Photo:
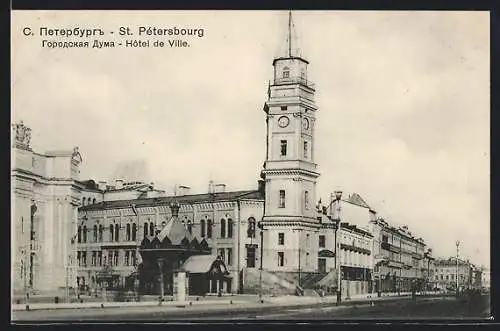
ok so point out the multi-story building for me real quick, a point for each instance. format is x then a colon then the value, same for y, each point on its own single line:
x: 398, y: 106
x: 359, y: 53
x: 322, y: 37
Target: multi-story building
x: 399, y: 263
x: 344, y: 247
x: 485, y: 278
x: 446, y: 271
x: 110, y: 232
x: 45, y: 198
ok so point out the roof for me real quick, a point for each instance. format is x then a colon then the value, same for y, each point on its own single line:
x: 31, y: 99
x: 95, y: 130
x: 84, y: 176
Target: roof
x: 200, y: 264
x: 175, y: 230
x: 356, y: 199
x: 185, y: 199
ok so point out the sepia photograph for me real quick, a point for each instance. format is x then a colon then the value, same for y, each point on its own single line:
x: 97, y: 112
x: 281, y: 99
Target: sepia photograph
x: 290, y: 165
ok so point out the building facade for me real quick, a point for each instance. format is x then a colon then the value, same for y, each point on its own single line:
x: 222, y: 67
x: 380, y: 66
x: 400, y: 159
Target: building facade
x: 446, y: 272
x: 112, y: 231
x: 399, y: 261
x: 45, y: 197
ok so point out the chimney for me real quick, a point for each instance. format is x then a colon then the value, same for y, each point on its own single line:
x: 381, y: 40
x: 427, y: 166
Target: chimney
x: 102, y: 185
x: 220, y: 188
x: 261, y: 186
x: 118, y: 184
x: 211, y: 187
x: 183, y: 190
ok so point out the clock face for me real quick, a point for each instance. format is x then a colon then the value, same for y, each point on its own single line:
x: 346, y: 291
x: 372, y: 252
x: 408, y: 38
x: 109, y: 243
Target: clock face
x: 283, y: 121
x: 305, y: 123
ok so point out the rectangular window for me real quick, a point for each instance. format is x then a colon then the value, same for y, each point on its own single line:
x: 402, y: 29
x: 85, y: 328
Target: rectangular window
x: 281, y: 259
x: 222, y: 254
x: 283, y: 147
x: 282, y: 199
x: 229, y: 256
x: 115, y: 258
x: 305, y: 150
x: 385, y: 238
x: 321, y: 241
x: 99, y: 258
x: 281, y: 238
x: 284, y: 107
x: 306, y: 200
x: 94, y: 258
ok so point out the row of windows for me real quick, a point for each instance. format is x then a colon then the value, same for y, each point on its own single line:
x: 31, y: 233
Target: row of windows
x: 112, y: 258
x: 88, y: 201
x: 284, y: 148
x: 206, y: 227
x: 449, y: 277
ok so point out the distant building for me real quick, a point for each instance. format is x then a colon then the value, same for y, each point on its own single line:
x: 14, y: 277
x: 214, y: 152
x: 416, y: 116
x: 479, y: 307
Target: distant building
x: 485, y: 278
x: 446, y: 271
x: 399, y: 258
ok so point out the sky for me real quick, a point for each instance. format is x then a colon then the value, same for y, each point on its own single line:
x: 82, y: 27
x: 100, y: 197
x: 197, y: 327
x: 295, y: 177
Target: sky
x: 403, y: 103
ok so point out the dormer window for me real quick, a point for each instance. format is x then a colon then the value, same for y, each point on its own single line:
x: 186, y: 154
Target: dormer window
x: 286, y: 72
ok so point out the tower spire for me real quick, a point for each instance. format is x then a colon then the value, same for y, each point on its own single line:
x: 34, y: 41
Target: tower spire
x: 289, y: 33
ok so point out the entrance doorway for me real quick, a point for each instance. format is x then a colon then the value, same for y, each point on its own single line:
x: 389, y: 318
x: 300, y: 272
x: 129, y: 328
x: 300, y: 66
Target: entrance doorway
x: 322, y: 265
x: 251, y: 257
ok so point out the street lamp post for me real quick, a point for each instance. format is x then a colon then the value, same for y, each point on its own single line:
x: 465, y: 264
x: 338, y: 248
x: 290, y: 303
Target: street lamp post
x: 160, y: 266
x: 338, y: 196
x: 457, y: 243
x: 261, y: 227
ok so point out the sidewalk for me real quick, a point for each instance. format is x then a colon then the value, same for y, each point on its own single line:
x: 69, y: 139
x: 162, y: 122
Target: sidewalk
x: 236, y: 300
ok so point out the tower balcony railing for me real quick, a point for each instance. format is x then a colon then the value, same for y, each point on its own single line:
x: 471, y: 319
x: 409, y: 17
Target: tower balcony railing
x: 295, y: 80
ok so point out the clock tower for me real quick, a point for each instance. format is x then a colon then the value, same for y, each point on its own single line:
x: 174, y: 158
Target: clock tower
x: 289, y: 223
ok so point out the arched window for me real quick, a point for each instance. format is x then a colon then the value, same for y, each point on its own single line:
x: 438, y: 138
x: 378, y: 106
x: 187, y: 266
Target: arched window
x: 134, y: 232
x: 111, y: 232
x: 151, y: 229
x: 83, y: 201
x: 223, y: 228
x: 251, y: 228
x: 128, y: 232
x: 202, y: 228
x: 229, y: 228
x: 286, y: 72
x: 145, y: 229
x: 190, y: 226
x: 79, y: 234
x: 84, y: 234
x: 95, y: 233
x: 101, y: 230
x: 117, y: 232
x: 93, y: 201
x: 209, y: 228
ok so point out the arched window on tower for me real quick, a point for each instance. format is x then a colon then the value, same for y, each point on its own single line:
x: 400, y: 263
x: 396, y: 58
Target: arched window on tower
x: 93, y: 201
x: 127, y: 235
x: 134, y: 232
x: 95, y: 233
x: 202, y: 228
x: 223, y: 228
x: 83, y: 201
x: 117, y: 232
x: 286, y: 72
x: 209, y: 228
x: 151, y: 229
x: 251, y: 228
x: 111, y: 232
x: 79, y: 234
x: 229, y: 228
x: 101, y: 230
